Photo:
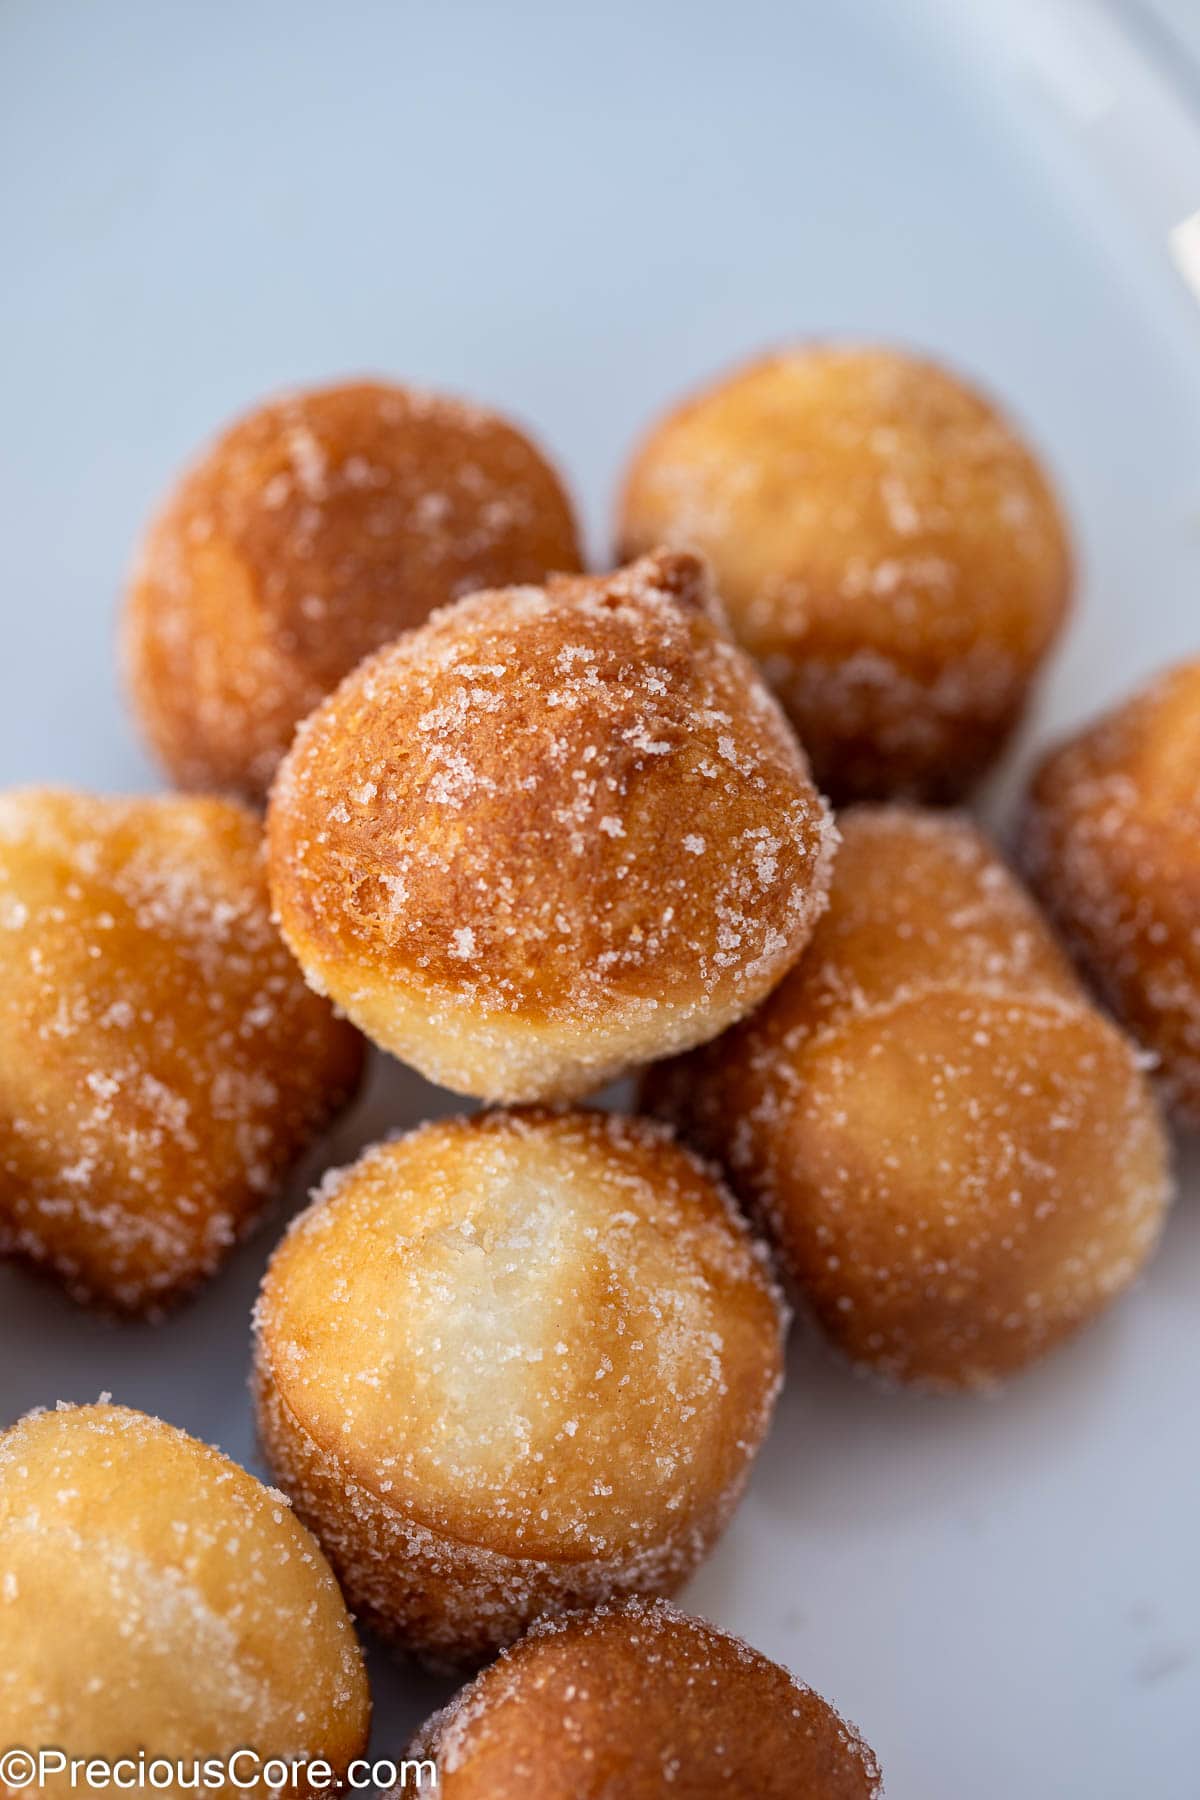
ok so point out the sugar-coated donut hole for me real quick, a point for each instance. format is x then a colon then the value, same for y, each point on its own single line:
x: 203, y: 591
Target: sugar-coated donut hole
x: 959, y: 1157
x: 639, y: 1700
x: 551, y: 835
x: 886, y: 546
x: 154, y: 1597
x: 315, y: 530
x: 1111, y: 844
x: 511, y: 1364
x: 162, y: 1063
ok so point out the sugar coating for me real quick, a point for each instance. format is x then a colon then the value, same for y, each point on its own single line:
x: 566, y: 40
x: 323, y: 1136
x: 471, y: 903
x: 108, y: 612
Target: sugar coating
x: 1111, y: 843
x: 639, y: 1700
x: 960, y: 1158
x: 156, y: 1596
x: 316, y: 529
x: 554, y: 833
x: 886, y: 545
x: 515, y: 1363
x: 161, y: 1061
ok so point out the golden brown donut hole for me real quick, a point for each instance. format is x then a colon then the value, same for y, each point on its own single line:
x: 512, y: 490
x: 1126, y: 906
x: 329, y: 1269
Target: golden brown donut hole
x: 514, y: 1364
x: 1111, y: 844
x: 552, y: 834
x: 316, y: 529
x: 162, y: 1064
x: 639, y: 1700
x: 958, y: 1155
x: 153, y: 1596
x: 887, y: 546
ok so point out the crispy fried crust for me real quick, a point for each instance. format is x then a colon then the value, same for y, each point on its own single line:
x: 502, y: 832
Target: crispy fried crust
x: 641, y: 1701
x: 959, y: 1156
x: 512, y: 1364
x: 162, y: 1063
x: 154, y: 1596
x: 1111, y: 844
x: 318, y: 528
x: 553, y: 834
x: 886, y: 545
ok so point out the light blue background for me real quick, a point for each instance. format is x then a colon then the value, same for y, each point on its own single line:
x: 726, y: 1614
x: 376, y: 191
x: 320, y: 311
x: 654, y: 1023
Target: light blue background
x: 573, y: 215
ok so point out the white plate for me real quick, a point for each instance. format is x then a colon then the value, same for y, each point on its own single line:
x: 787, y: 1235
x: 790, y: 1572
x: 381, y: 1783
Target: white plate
x: 574, y: 217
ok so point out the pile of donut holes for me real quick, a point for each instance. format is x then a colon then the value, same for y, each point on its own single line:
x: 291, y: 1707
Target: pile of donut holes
x: 533, y: 830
